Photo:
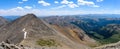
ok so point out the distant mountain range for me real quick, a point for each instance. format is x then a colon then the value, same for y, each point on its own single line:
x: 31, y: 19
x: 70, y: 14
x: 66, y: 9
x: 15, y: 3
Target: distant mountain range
x: 11, y: 18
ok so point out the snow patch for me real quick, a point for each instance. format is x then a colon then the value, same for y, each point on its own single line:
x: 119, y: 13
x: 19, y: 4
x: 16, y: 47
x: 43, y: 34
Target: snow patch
x: 25, y: 33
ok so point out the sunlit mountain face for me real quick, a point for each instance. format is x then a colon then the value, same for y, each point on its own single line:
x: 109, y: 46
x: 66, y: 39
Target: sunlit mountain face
x: 60, y: 24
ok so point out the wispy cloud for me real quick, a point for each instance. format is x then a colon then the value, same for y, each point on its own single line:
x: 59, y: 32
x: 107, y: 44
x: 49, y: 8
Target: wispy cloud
x: 70, y: 4
x: 56, y: 2
x: 20, y: 2
x: 24, y: 0
x: 88, y: 3
x: 44, y: 3
x: 62, y: 6
x: 16, y: 11
x: 95, y: 6
x: 17, y: 8
x: 42, y: 12
x: 38, y: 12
x: 99, y: 0
x: 65, y: 2
x: 28, y: 7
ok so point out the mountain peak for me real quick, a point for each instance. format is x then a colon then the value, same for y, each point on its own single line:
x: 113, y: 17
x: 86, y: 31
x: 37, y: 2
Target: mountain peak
x: 27, y: 17
x: 30, y: 15
x: 27, y: 23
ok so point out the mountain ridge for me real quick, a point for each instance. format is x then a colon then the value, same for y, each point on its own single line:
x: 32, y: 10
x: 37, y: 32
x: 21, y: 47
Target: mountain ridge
x: 29, y: 29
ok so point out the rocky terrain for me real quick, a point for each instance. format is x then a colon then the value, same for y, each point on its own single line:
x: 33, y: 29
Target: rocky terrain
x: 59, y: 32
x: 97, y: 27
x: 31, y: 31
x: 110, y: 46
x: 63, y: 25
x: 103, y: 30
x: 4, y: 45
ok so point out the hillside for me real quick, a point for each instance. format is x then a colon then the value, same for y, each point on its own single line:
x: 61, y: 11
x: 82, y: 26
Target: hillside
x: 70, y: 30
x: 99, y: 29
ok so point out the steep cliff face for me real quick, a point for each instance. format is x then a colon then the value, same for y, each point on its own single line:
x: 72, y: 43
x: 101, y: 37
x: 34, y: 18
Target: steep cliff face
x: 32, y: 31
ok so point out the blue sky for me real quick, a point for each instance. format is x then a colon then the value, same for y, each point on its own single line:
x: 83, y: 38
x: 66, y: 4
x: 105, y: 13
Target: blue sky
x: 58, y: 7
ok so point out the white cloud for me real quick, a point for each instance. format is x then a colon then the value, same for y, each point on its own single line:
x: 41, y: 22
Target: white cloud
x: 16, y: 11
x: 96, y: 6
x: 82, y: 2
x: 24, y: 0
x: 99, y: 0
x: 72, y: 5
x: 28, y: 7
x: 56, y: 2
x: 18, y: 8
x: 41, y: 12
x: 22, y: 11
x: 65, y: 2
x: 68, y: 3
x: 44, y: 3
x: 13, y: 11
x: 37, y: 12
x: 89, y: 3
x: 59, y: 7
x: 20, y: 2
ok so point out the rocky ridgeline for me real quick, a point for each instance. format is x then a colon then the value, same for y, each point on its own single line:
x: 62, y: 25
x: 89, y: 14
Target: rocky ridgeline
x: 110, y: 46
x: 4, y: 45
